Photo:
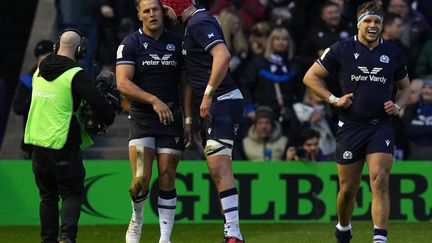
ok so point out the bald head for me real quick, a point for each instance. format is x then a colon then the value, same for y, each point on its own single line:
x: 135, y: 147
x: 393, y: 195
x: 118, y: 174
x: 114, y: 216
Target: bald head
x: 69, y: 42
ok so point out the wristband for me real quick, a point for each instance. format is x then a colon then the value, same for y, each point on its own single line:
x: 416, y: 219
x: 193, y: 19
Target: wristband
x: 398, y: 108
x: 209, y: 90
x: 188, y: 120
x: 333, y: 100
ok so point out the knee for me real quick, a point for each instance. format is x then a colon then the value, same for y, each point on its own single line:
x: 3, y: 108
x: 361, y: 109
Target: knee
x: 146, y: 180
x: 380, y: 182
x: 216, y: 175
x: 348, y: 192
x: 167, y: 176
x: 50, y: 200
x: 143, y: 181
x: 221, y: 175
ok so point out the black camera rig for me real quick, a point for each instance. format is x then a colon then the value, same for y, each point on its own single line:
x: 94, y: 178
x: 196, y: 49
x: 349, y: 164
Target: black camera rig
x: 106, y: 85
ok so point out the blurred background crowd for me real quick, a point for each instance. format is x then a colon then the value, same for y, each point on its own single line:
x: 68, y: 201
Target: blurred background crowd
x: 272, y: 43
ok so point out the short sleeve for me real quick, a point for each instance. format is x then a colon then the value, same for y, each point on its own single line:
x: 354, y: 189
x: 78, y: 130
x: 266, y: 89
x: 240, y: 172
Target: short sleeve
x: 207, y: 33
x: 329, y: 58
x: 126, y: 52
x: 401, y: 68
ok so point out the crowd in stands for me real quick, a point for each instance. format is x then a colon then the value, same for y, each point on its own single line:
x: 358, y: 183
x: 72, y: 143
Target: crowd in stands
x: 273, y: 43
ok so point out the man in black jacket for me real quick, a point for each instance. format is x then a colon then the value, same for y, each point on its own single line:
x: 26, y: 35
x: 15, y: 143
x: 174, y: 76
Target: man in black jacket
x: 53, y: 129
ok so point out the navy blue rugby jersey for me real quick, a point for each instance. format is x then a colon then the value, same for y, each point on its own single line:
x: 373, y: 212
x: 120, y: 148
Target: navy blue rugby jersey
x: 203, y: 32
x: 370, y: 74
x: 157, y: 66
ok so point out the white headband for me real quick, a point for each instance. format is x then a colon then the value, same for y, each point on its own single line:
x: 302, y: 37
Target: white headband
x: 361, y: 17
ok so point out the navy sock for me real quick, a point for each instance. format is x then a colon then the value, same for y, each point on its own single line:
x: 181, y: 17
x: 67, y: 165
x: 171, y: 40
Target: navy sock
x: 380, y: 236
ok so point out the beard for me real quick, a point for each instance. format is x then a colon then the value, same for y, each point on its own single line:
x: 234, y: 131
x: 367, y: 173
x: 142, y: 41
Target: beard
x: 371, y: 38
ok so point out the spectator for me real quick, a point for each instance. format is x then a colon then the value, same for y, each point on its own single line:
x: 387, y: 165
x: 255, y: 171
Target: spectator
x: 320, y: 36
x: 416, y: 27
x: 308, y: 150
x: 425, y: 7
x: 314, y: 113
x: 424, y: 62
x: 251, y: 12
x: 265, y: 140
x: 107, y: 19
x: 273, y: 80
x: 280, y: 13
x: 231, y: 28
x: 235, y: 39
x: 73, y: 11
x: 303, y: 13
x: 392, y: 31
x: 258, y: 39
x: 115, y: 19
x: 418, y: 121
x: 347, y: 11
x: 21, y: 103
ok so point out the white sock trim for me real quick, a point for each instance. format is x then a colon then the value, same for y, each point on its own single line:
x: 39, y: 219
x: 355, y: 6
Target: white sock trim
x: 138, y: 211
x: 380, y: 237
x: 166, y: 217
x: 230, y: 203
x: 343, y: 228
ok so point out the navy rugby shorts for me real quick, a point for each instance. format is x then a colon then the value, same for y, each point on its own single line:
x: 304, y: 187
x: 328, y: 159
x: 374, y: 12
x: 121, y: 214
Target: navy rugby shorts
x: 357, y: 139
x: 166, y: 136
x: 227, y: 117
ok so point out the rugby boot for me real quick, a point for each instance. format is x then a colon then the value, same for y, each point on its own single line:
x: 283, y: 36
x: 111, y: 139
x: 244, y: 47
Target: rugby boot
x: 133, y: 233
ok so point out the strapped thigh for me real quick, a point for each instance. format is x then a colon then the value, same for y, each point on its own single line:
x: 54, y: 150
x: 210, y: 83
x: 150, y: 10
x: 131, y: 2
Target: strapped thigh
x: 140, y: 144
x: 218, y: 147
x: 148, y: 142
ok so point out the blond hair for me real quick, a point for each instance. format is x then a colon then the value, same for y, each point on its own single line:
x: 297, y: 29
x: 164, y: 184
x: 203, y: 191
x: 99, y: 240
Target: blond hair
x: 137, y: 3
x: 281, y: 33
x: 235, y: 39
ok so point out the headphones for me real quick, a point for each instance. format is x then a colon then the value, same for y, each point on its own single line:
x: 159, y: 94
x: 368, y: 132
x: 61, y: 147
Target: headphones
x: 80, y: 50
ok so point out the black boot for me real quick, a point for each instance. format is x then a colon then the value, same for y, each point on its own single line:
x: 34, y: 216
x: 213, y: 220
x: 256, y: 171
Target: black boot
x: 343, y: 236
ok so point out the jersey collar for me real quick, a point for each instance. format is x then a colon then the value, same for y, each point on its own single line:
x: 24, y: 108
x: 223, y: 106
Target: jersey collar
x: 144, y: 34
x: 197, y: 10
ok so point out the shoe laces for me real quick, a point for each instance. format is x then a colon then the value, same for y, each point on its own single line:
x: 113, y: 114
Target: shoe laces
x: 134, y: 228
x: 225, y: 231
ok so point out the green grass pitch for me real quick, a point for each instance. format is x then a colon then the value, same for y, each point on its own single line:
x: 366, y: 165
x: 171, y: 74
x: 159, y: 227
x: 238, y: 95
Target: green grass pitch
x: 399, y: 232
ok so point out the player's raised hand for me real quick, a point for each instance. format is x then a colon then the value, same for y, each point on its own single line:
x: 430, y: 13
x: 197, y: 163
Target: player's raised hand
x: 163, y: 111
x: 345, y: 101
x: 170, y: 13
x: 205, y: 107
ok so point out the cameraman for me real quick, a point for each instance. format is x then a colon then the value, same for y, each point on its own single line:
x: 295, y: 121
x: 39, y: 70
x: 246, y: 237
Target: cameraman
x: 309, y: 149
x: 59, y: 85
